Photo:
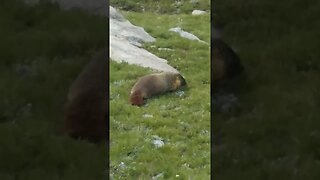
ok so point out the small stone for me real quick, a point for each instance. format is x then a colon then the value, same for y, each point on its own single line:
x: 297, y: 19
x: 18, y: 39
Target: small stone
x: 118, y: 83
x: 179, y: 93
x: 185, y: 34
x: 165, y: 49
x: 198, y: 12
x: 122, y: 165
x: 158, y: 143
x: 147, y: 116
x: 160, y: 175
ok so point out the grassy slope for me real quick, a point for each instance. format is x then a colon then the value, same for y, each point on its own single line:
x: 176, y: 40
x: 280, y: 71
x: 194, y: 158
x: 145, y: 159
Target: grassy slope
x: 275, y: 134
x: 183, y: 122
x: 162, y: 6
x: 53, y: 46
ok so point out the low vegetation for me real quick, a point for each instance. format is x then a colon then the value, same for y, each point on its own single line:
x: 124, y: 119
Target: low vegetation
x: 162, y: 6
x: 42, y: 50
x: 274, y: 134
x: 180, y: 120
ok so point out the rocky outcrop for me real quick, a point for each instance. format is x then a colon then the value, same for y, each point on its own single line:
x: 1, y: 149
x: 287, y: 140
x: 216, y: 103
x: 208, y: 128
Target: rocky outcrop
x: 125, y: 44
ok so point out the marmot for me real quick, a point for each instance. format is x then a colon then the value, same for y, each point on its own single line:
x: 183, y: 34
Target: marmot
x: 155, y: 84
x: 85, y: 111
x: 226, y: 63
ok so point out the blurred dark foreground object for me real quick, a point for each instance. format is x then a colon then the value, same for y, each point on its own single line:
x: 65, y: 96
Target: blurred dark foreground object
x: 227, y: 68
x: 226, y: 63
x: 85, y: 111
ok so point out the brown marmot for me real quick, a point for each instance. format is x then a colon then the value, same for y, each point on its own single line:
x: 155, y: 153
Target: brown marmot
x: 85, y: 111
x: 155, y: 84
x: 226, y: 63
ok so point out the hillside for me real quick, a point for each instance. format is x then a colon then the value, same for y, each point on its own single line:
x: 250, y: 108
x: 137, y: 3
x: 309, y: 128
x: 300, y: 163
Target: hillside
x: 180, y: 120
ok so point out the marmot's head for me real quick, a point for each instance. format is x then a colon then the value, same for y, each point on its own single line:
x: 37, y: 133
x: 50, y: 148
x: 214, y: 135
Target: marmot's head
x: 226, y: 63
x: 178, y: 82
x: 183, y: 82
x: 137, y: 98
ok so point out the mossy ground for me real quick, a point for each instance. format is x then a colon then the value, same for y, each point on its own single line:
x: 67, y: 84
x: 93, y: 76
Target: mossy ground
x: 42, y: 50
x: 182, y: 120
x: 275, y: 132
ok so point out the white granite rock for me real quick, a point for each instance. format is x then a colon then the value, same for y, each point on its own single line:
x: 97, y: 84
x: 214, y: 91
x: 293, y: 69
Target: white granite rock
x: 126, y: 40
x: 198, y: 12
x: 185, y: 34
x: 123, y: 51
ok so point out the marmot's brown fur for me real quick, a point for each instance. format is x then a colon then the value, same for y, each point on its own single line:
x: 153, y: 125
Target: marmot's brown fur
x: 155, y: 84
x: 226, y: 63
x: 86, y: 108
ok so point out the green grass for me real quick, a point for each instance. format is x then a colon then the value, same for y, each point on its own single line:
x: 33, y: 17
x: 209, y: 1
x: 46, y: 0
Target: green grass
x: 183, y: 122
x: 162, y: 6
x: 274, y: 134
x: 42, y: 50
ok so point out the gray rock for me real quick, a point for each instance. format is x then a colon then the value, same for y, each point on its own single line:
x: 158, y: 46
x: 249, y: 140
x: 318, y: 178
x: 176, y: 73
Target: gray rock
x: 185, y: 34
x: 198, y: 12
x: 122, y: 165
x: 122, y: 28
x: 123, y: 51
x: 115, y: 15
x: 147, y: 116
x: 157, y: 141
x: 158, y: 176
x: 165, y: 49
x: 126, y: 40
x: 179, y: 93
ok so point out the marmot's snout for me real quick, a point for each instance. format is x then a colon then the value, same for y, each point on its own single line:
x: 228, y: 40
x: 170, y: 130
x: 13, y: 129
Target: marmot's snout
x: 183, y: 82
